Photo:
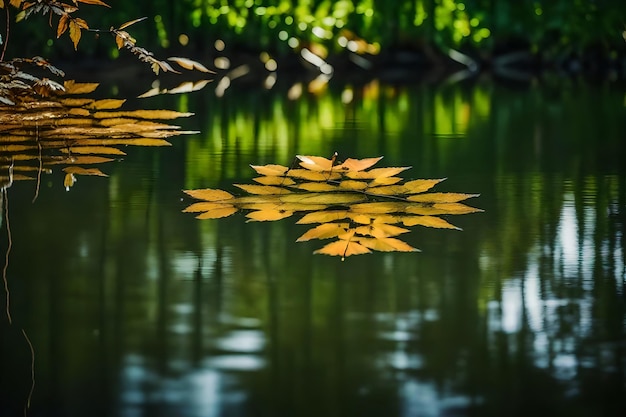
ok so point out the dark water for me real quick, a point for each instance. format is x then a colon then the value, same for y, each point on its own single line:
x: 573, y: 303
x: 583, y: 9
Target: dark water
x: 134, y: 308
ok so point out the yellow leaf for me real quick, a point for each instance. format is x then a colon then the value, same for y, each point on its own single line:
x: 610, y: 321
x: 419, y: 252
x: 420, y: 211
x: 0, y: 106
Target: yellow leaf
x: 380, y: 230
x: 308, y: 175
x: 209, y: 194
x: 343, y: 248
x: 69, y: 181
x: 379, y: 207
x: 361, y: 218
x: 72, y: 87
x: 419, y: 186
x: 384, y: 181
x: 87, y: 150
x: 274, y: 180
x: 388, y: 190
x: 315, y: 163
x: 270, y: 170
x: 322, y: 198
x: 106, y: 104
x: 359, y: 164
x: 388, y: 244
x: 142, y: 114
x: 323, y: 216
x: 427, y: 221
x: 132, y: 22
x: 440, y: 197
x: 74, y: 33
x: 84, y: 171
x: 189, y: 64
x: 441, y: 208
x: 63, y: 25
x: 353, y: 185
x: 324, y: 231
x: 268, y: 215
x: 317, y: 187
x: 119, y: 41
x: 82, y: 160
x: 204, y: 206
x: 376, y: 173
x: 262, y: 189
x: 218, y: 213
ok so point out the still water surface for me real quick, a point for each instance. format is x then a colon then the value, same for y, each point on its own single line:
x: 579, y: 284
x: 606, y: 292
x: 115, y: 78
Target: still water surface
x: 137, y: 309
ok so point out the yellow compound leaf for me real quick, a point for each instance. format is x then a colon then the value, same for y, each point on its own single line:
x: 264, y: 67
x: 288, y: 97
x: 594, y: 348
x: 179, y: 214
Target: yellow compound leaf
x: 440, y: 197
x: 209, y: 194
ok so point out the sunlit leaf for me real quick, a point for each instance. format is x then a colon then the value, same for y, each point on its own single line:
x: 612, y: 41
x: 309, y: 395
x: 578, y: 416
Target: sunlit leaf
x: 270, y: 170
x: 380, y: 230
x: 440, y: 197
x: 376, y: 173
x: 84, y: 171
x: 353, y: 185
x: 420, y: 186
x: 378, y: 181
x: 218, y: 213
x: 317, y: 186
x: 204, y: 206
x: 428, y: 221
x: 322, y: 198
x: 106, y: 104
x: 274, y: 180
x: 441, y: 208
x: 69, y: 181
x: 143, y: 114
x: 309, y: 175
x: 82, y: 160
x: 209, y: 194
x: 324, y: 231
x: 268, y: 215
x: 72, y: 87
x: 190, y: 64
x: 361, y: 218
x: 74, y: 32
x: 315, y: 163
x: 63, y: 24
x: 262, y: 189
x: 343, y: 248
x: 132, y: 22
x: 380, y: 207
x: 387, y: 244
x: 89, y: 150
x: 323, y: 216
x: 359, y: 164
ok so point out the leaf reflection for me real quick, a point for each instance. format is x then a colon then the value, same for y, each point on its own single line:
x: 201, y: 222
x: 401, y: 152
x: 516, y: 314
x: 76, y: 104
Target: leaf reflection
x: 36, y: 135
x: 362, y: 209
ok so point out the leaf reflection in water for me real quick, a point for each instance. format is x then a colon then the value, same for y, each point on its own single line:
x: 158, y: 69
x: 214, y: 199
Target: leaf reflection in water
x: 66, y: 130
x: 363, y: 209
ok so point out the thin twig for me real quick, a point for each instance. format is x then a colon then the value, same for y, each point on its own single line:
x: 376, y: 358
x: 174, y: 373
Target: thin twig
x: 6, y: 259
x: 6, y: 38
x: 32, y: 372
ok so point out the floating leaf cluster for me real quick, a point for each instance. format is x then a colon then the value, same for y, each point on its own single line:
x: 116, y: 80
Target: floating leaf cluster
x: 71, y: 131
x: 360, y: 208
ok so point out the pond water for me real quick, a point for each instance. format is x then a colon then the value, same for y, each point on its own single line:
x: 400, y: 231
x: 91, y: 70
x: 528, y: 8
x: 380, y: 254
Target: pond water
x: 134, y: 308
